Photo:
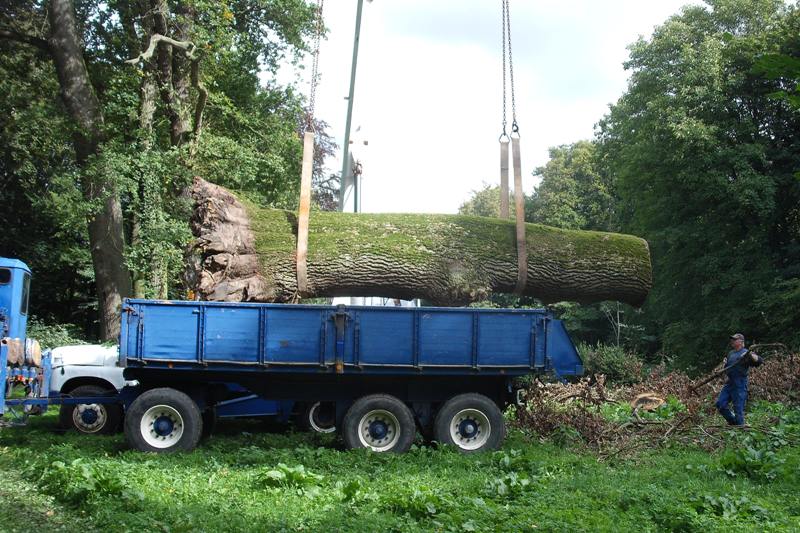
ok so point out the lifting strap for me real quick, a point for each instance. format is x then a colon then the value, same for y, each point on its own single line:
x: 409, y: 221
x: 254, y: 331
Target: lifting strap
x: 519, y: 206
x: 504, y: 177
x: 307, y: 171
x: 519, y: 198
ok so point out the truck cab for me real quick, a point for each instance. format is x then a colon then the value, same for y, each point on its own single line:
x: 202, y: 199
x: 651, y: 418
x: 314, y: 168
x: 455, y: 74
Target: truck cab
x: 15, y: 284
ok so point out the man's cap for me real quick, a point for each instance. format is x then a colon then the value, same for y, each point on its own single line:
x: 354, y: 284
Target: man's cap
x: 738, y: 336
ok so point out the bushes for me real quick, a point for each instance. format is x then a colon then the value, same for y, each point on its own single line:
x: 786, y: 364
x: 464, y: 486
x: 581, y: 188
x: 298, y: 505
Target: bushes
x: 619, y: 366
x: 53, y: 335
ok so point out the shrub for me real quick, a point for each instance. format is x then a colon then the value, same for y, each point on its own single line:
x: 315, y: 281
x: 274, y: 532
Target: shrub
x: 53, y: 335
x: 619, y: 367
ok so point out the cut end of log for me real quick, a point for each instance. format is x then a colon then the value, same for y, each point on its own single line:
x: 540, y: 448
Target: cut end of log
x: 245, y: 252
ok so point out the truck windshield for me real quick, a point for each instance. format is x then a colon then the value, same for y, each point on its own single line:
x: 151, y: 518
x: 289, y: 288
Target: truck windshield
x: 5, y: 276
x: 26, y: 286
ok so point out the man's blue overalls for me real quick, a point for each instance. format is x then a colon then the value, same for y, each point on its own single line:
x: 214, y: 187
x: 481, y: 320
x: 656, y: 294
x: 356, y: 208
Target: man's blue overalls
x: 735, y: 390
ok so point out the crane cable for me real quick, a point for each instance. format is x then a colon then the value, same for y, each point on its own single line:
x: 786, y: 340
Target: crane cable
x: 308, y: 167
x: 505, y: 138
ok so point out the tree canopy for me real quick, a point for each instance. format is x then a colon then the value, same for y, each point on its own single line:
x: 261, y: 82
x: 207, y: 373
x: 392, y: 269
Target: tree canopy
x: 100, y: 139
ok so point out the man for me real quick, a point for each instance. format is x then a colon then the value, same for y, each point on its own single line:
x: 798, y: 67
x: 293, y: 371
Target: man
x: 737, y: 364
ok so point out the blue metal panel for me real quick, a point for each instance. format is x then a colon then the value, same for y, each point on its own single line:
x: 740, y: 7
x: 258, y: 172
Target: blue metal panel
x: 294, y: 334
x: 130, y: 333
x: 563, y: 356
x: 386, y: 337
x: 247, y: 406
x: 289, y: 338
x: 445, y: 338
x: 231, y: 334
x: 170, y: 331
x: 504, y: 339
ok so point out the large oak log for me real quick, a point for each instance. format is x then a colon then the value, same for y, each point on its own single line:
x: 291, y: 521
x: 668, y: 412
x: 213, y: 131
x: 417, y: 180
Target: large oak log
x: 244, y: 252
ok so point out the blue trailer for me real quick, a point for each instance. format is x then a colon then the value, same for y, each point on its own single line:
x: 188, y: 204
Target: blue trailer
x: 387, y: 372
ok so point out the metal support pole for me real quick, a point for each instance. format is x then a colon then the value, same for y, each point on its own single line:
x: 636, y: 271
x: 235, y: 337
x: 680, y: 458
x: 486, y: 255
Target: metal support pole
x: 346, y: 155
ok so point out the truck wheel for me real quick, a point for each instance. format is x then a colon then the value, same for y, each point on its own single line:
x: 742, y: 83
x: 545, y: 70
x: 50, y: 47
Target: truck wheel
x: 319, y: 417
x: 91, y: 418
x: 379, y: 422
x: 471, y: 423
x: 163, y: 420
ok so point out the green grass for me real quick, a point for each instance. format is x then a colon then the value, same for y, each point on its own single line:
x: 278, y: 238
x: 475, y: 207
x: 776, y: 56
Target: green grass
x: 247, y: 480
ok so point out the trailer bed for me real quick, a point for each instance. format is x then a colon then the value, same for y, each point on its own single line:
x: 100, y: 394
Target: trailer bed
x: 344, y: 339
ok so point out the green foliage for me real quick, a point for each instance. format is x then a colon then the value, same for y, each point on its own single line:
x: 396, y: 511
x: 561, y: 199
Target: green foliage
x: 245, y: 480
x: 287, y: 476
x: 618, y: 365
x: 486, y: 203
x: 757, y: 454
x: 53, y: 335
x: 575, y: 193
x: 81, y: 483
x: 703, y: 160
x: 249, y: 138
x: 623, y: 412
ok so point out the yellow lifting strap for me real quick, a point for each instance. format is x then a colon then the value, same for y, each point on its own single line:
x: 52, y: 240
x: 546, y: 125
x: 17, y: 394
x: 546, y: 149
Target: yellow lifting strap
x: 304, y: 212
x: 519, y: 206
x: 307, y: 169
x: 504, y: 177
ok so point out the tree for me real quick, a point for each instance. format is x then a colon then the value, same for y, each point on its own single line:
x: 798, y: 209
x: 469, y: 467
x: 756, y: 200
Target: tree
x: 195, y: 105
x: 575, y: 192
x: 485, y: 203
x: 704, y: 161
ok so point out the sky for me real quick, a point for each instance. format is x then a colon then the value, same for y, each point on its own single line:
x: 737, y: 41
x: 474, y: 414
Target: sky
x: 428, y: 95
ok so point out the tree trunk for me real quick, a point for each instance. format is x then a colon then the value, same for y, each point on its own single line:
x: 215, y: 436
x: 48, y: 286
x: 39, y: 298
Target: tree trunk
x: 244, y: 252
x: 105, y: 227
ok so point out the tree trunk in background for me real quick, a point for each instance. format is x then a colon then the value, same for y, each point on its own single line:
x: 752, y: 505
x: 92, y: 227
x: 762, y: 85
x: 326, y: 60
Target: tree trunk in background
x: 105, y: 227
x: 247, y: 253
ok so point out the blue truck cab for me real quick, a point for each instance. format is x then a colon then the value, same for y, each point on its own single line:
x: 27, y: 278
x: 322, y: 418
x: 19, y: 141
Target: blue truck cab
x: 21, y: 363
x: 15, y: 284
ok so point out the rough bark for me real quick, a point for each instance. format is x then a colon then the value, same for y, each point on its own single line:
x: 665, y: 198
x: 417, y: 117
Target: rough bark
x: 247, y: 253
x: 105, y: 227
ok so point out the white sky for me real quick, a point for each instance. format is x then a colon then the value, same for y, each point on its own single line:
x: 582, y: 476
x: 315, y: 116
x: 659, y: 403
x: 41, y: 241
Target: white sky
x: 428, y: 96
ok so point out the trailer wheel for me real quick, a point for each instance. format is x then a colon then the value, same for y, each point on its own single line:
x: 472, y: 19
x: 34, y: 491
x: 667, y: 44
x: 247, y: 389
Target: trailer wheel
x: 470, y: 422
x: 379, y: 422
x: 91, y: 418
x: 163, y: 420
x: 319, y: 417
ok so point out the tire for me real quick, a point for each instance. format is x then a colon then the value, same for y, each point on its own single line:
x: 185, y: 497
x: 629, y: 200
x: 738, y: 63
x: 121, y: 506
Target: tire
x: 379, y: 422
x: 319, y: 417
x: 163, y: 420
x: 91, y: 419
x: 471, y: 423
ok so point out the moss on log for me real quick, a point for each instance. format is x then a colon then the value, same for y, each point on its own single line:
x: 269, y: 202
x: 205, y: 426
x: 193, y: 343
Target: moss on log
x: 244, y: 252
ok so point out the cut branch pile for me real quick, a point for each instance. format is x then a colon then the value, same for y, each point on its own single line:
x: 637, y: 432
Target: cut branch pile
x: 245, y: 252
x: 551, y: 407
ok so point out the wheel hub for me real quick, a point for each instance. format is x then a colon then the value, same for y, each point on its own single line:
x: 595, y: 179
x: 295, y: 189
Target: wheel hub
x: 89, y: 417
x: 163, y: 426
x: 470, y: 429
x: 379, y: 430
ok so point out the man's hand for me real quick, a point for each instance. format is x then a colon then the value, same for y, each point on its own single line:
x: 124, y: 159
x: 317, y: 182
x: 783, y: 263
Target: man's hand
x: 754, y: 357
